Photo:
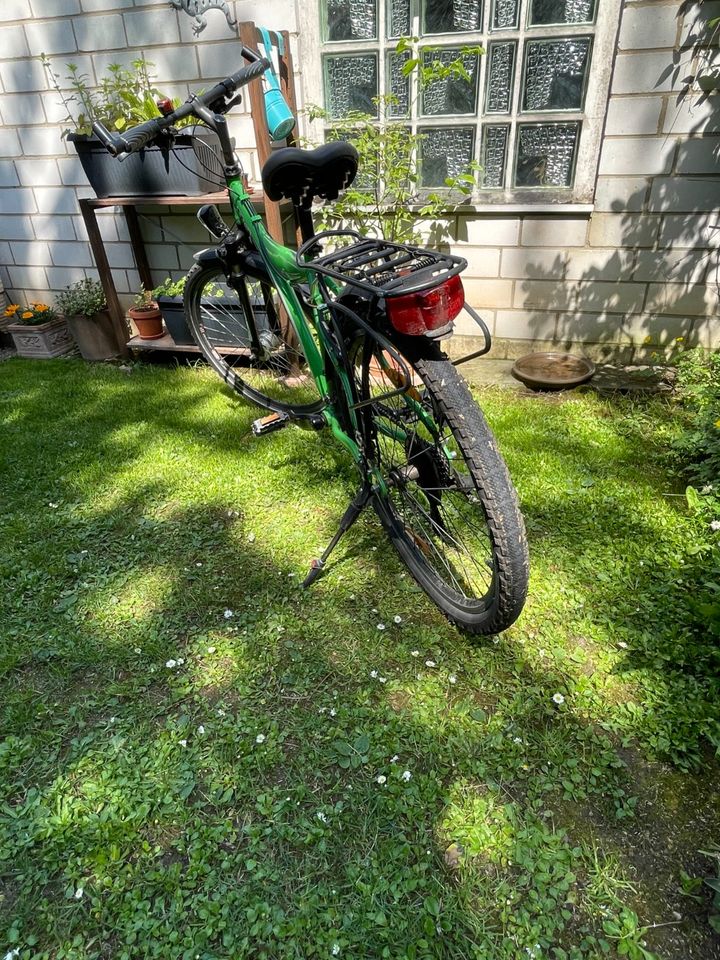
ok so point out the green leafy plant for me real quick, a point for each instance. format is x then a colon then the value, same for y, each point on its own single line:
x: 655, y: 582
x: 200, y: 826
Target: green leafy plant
x: 175, y: 288
x: 388, y: 198
x: 698, y: 392
x: 169, y: 288
x: 626, y: 931
x: 123, y: 98
x: 85, y: 297
x: 145, y: 300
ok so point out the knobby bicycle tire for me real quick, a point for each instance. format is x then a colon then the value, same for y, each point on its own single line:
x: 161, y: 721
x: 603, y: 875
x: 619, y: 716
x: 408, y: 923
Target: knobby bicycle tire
x: 219, y: 325
x: 483, y: 481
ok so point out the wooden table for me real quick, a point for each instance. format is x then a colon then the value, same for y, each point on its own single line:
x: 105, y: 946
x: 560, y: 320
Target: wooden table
x: 88, y: 208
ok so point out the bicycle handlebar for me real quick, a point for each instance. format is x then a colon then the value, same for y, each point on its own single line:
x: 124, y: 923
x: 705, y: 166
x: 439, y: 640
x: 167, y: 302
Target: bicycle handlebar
x: 134, y: 139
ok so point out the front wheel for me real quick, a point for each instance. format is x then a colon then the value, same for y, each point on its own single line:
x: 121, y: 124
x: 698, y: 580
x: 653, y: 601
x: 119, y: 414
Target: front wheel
x: 225, y: 316
x: 449, y: 505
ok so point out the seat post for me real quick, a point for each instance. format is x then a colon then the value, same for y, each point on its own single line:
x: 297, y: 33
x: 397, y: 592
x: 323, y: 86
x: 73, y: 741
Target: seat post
x: 304, y: 219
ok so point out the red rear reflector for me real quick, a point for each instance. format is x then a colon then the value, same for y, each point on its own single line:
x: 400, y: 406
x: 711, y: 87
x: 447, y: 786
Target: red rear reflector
x: 165, y: 106
x: 416, y: 313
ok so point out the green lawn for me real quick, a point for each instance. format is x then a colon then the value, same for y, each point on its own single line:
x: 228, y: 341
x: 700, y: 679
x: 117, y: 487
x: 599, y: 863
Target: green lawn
x: 201, y: 761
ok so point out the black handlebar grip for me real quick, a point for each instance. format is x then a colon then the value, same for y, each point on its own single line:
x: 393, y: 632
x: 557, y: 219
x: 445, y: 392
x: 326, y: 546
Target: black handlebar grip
x: 111, y: 141
x: 135, y: 138
x: 246, y: 74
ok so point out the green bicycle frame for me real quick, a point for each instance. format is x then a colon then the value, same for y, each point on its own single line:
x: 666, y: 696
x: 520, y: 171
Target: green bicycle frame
x: 284, y: 272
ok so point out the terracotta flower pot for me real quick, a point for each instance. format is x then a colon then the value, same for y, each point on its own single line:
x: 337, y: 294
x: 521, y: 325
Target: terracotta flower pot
x: 148, y: 322
x: 43, y: 340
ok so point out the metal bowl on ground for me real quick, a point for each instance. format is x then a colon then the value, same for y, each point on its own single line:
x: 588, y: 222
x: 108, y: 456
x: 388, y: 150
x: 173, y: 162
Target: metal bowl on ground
x: 553, y: 371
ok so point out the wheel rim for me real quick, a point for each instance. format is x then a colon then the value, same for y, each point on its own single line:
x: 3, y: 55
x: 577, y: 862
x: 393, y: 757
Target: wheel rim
x: 432, y: 502
x: 279, y: 377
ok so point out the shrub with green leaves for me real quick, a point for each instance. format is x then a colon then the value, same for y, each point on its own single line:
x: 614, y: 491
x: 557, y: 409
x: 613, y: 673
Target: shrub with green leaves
x: 699, y: 394
x: 388, y: 198
x: 85, y: 297
x: 123, y: 98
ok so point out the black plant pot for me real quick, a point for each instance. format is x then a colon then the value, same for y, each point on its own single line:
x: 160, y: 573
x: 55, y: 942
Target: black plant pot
x: 174, y: 316
x: 191, y: 168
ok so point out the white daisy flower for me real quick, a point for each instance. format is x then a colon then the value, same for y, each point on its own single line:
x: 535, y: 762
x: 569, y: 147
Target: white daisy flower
x: 394, y: 759
x: 381, y: 626
x: 201, y: 729
x: 79, y: 893
x: 260, y: 738
x: 220, y: 712
x: 558, y: 698
x: 171, y: 664
x: 622, y: 644
x: 53, y: 506
x: 137, y: 650
x: 429, y: 663
x: 180, y: 661
x: 414, y: 653
x: 517, y: 740
x: 335, y: 949
x: 211, y: 649
x: 228, y: 614
x: 452, y: 678
x: 381, y: 779
x: 708, y: 488
x: 322, y: 817
x: 333, y: 712
x: 183, y: 743
x: 382, y: 679
x: 406, y: 775
x: 397, y: 618
x: 373, y: 674
x: 715, y: 524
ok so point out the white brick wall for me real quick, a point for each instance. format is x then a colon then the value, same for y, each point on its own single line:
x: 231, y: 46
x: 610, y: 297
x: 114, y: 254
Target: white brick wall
x: 43, y: 241
x: 638, y: 268
x: 642, y: 267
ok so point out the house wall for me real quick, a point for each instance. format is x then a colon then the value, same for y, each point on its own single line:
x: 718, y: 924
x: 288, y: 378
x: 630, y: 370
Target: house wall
x: 639, y: 269
x: 43, y: 242
x: 626, y: 275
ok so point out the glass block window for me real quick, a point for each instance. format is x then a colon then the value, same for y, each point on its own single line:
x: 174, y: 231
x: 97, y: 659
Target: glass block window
x: 350, y: 84
x: 351, y: 20
x: 520, y: 112
x: 555, y: 74
x: 444, y: 152
x: 451, y: 16
x: 545, y: 155
x: 399, y: 20
x: 499, y: 77
x: 562, y: 11
x: 452, y: 96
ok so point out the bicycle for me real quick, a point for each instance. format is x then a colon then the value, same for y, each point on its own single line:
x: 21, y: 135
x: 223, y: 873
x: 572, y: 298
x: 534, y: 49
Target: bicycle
x: 345, y: 334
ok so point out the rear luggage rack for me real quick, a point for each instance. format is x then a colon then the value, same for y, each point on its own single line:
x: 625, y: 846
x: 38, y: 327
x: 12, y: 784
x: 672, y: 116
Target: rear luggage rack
x: 380, y: 268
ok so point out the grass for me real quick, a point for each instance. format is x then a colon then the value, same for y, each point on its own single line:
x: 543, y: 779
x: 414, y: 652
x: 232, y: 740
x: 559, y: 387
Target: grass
x: 191, y: 745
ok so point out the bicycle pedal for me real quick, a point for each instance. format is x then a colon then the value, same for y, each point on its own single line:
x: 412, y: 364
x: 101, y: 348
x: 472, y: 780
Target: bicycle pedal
x: 273, y: 421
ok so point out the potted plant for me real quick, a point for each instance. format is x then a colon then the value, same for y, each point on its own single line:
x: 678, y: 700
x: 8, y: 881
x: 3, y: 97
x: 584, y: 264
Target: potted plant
x: 85, y: 310
x: 38, y: 331
x: 169, y: 297
x: 146, y: 316
x: 185, y: 164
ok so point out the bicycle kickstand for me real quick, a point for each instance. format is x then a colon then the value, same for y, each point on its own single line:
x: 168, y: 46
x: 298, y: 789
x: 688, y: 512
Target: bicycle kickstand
x: 355, y: 508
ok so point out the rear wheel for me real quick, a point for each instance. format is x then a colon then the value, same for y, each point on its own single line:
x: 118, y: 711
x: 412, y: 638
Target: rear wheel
x: 221, y: 317
x: 450, y: 507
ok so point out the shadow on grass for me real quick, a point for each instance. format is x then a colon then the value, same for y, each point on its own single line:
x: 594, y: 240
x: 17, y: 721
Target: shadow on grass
x: 210, y: 841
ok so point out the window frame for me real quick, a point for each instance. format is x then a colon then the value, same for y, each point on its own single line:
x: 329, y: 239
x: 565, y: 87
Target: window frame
x: 603, y: 31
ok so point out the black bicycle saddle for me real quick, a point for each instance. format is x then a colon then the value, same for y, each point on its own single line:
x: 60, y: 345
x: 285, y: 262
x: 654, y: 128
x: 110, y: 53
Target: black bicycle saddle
x: 301, y: 175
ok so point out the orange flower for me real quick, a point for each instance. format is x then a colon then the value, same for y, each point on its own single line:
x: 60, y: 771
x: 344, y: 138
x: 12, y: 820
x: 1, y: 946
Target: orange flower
x: 11, y: 309
x: 27, y: 315
x: 41, y: 307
